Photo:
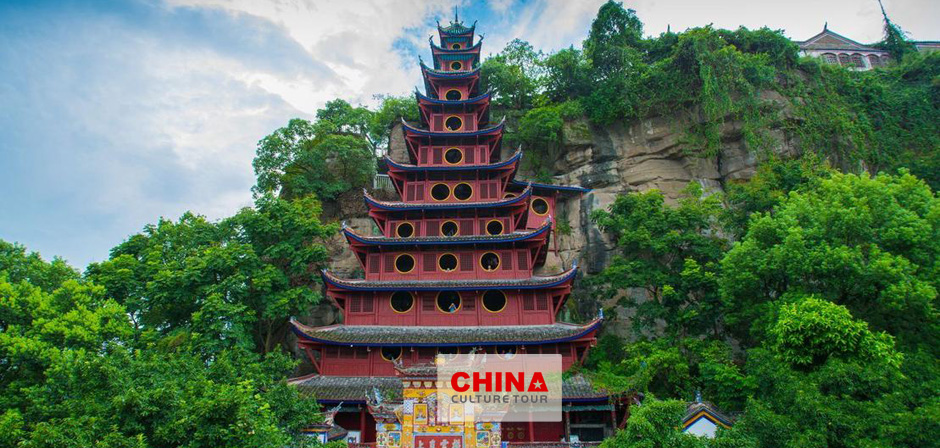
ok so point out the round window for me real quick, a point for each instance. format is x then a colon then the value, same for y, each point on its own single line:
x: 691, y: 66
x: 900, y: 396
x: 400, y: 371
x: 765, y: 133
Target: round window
x: 402, y: 301
x: 391, y: 353
x: 447, y: 262
x: 506, y: 352
x: 509, y: 195
x: 489, y: 261
x: 463, y: 191
x: 455, y: 46
x: 440, y: 192
x: 448, y: 301
x: 494, y: 227
x: 449, y: 228
x: 453, y: 123
x: 540, y: 206
x: 456, y: 65
x: 404, y: 263
x: 453, y: 156
x: 453, y: 95
x: 405, y: 230
x: 494, y: 301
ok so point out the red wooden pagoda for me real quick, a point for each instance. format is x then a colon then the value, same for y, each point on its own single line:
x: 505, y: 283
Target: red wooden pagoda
x: 452, y: 270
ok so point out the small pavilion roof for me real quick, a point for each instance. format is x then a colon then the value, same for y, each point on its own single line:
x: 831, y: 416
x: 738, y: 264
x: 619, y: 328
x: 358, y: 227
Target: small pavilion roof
x: 355, y: 389
x: 541, y: 231
x: 703, y: 409
x: 534, y: 282
x: 398, y: 205
x: 443, y: 336
x: 485, y: 166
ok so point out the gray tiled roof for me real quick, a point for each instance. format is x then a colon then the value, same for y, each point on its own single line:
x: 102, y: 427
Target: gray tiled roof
x: 351, y: 388
x: 387, y: 335
x: 463, y: 285
x: 514, y: 236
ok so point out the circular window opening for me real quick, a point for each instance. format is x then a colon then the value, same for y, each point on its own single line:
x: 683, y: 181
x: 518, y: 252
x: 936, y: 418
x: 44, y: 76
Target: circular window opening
x: 456, y: 65
x: 449, y: 228
x: 455, y: 46
x: 463, y: 192
x: 453, y: 95
x: 440, y: 192
x: 494, y: 301
x: 404, y: 263
x: 453, y: 123
x: 453, y: 156
x: 391, y: 353
x: 509, y: 195
x: 506, y: 352
x: 402, y: 301
x: 447, y: 262
x: 405, y: 230
x: 540, y: 206
x: 494, y: 227
x: 489, y: 261
x: 448, y: 301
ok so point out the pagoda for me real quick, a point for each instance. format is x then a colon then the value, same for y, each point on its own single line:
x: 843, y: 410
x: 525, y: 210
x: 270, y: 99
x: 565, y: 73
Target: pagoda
x: 451, y: 272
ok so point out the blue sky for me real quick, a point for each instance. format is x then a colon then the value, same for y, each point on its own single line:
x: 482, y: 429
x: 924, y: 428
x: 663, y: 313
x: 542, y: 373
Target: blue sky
x: 113, y: 114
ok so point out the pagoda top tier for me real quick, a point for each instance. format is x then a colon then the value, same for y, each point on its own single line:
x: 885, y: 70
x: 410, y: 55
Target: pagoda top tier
x: 456, y: 29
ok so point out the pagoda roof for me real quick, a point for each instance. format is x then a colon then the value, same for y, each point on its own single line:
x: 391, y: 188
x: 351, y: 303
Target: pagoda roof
x: 473, y: 48
x: 456, y: 28
x: 409, y: 129
x: 486, y: 166
x: 398, y: 205
x: 703, y: 409
x: 356, y: 389
x: 422, y: 98
x: 443, y: 336
x: 534, y: 282
x: 569, y: 188
x: 542, y: 230
x: 445, y: 74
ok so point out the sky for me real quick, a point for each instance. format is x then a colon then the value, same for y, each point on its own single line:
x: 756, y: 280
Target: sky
x: 114, y: 114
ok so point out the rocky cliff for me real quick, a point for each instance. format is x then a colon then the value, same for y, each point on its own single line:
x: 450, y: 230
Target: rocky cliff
x: 611, y: 160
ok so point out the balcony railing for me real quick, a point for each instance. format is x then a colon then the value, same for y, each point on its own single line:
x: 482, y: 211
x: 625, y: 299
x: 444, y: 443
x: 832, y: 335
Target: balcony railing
x: 381, y: 182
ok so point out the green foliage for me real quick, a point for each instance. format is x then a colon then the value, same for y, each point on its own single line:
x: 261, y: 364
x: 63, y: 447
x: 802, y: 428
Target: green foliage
x: 511, y: 76
x: 74, y: 372
x: 330, y: 156
x: 870, y: 244
x: 672, y: 254
x: 234, y: 283
x: 811, y: 330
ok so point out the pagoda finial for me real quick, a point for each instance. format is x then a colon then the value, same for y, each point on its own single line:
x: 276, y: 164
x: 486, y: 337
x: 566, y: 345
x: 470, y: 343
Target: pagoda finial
x: 456, y: 19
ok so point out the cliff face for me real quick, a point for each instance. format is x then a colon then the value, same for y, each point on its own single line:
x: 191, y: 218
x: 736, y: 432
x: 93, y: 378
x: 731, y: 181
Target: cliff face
x: 611, y: 160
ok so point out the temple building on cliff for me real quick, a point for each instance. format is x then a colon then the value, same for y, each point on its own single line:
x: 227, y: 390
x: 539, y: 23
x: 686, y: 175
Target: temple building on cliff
x: 451, y: 272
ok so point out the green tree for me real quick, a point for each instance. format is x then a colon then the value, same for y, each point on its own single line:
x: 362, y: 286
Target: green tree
x: 671, y: 254
x: 239, y: 280
x: 74, y: 372
x: 870, y: 244
x: 512, y: 76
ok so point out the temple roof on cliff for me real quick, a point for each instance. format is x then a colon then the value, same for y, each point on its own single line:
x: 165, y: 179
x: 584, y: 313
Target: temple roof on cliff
x: 454, y: 336
x: 535, y: 282
x: 373, y: 203
x: 353, y: 389
x: 541, y: 232
x: 510, y: 163
x: 561, y: 188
